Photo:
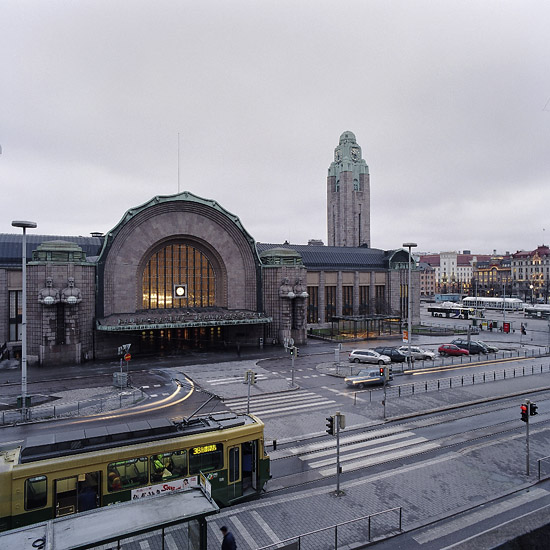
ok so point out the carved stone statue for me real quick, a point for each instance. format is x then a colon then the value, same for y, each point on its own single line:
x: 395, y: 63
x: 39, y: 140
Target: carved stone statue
x: 285, y: 290
x: 300, y: 289
x: 71, y: 295
x: 48, y: 296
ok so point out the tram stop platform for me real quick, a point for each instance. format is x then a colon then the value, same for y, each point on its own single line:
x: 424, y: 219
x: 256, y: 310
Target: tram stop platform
x: 181, y: 512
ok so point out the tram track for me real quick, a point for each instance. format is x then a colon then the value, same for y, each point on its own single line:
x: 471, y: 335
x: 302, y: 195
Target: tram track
x: 71, y: 378
x: 462, y: 442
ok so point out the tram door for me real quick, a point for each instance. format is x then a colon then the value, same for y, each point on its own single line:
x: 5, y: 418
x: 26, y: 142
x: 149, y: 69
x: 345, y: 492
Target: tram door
x: 77, y: 494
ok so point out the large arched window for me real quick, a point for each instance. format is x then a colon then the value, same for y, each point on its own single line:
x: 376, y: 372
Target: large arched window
x: 178, y: 264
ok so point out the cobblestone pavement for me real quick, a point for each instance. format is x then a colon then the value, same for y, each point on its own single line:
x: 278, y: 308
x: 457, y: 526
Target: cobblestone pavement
x: 427, y: 488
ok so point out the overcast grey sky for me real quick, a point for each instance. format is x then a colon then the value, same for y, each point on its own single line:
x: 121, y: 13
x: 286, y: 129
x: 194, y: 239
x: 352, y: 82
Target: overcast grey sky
x: 449, y: 100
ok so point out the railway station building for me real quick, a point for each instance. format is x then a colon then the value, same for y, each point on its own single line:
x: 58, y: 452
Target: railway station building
x: 181, y: 272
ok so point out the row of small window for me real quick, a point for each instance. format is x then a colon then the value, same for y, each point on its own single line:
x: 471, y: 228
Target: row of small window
x: 134, y: 472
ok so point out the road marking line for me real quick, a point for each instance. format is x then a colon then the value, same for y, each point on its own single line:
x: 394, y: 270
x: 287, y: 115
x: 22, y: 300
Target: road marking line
x: 365, y: 453
x: 272, y: 399
x: 488, y: 511
x: 170, y: 542
x: 293, y: 407
x: 376, y: 459
x: 361, y: 444
x: 243, y: 532
x: 268, y: 531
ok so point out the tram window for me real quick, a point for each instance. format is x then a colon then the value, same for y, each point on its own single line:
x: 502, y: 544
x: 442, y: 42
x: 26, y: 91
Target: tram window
x: 205, y: 458
x: 127, y: 473
x: 36, y: 492
x: 234, y: 470
x: 168, y: 465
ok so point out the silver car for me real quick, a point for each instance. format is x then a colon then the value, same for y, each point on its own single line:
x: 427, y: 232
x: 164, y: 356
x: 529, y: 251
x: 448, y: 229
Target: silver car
x: 368, y: 356
x: 417, y: 353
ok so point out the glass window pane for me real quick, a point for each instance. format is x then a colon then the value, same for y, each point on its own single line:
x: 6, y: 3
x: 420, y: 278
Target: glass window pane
x: 182, y: 264
x: 234, y: 470
x: 127, y: 474
x: 168, y: 466
x: 205, y: 458
x: 36, y: 493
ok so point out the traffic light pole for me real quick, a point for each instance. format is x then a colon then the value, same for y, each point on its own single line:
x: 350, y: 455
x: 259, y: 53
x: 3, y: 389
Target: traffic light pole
x: 384, y: 401
x: 337, y: 453
x: 293, y: 354
x: 528, y: 403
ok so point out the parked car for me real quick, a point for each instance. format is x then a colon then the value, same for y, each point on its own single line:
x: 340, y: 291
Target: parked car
x: 451, y: 349
x: 368, y: 356
x: 418, y: 353
x: 369, y: 377
x: 472, y: 346
x: 394, y: 354
x: 491, y: 348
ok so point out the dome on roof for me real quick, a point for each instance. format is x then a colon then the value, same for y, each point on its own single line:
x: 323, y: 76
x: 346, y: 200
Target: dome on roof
x: 347, y: 137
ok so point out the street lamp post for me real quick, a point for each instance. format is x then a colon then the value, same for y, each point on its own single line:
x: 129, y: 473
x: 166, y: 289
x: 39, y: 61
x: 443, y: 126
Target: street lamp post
x: 409, y: 302
x: 24, y: 225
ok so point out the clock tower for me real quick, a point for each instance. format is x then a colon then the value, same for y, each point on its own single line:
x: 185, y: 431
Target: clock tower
x: 348, y: 195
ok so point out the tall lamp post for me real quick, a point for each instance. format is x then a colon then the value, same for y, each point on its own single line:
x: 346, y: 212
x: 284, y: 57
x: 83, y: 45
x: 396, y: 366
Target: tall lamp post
x: 409, y: 302
x: 24, y: 225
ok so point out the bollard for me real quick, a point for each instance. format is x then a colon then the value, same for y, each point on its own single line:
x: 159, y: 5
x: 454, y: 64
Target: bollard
x: 274, y: 444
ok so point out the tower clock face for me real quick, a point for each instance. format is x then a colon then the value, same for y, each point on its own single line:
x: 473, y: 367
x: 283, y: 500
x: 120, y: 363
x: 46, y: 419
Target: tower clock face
x: 354, y: 152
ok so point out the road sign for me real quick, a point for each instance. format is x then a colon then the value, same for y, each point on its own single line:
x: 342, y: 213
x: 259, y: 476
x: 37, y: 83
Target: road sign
x: 127, y: 357
x: 124, y: 349
x: 406, y: 336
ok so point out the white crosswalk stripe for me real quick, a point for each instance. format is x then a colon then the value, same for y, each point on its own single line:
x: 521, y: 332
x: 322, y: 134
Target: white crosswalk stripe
x: 277, y: 405
x: 356, y: 454
x: 233, y: 380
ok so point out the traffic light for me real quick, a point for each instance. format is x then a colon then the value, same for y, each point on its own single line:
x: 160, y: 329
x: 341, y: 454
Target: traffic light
x: 533, y: 409
x: 252, y: 377
x: 382, y: 371
x: 330, y: 425
x: 524, y: 412
x: 292, y: 350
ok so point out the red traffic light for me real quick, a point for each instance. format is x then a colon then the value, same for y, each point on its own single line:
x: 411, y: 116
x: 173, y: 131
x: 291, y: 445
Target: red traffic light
x: 524, y: 413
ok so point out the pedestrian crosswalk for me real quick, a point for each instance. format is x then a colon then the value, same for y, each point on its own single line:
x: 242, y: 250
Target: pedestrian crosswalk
x: 280, y: 404
x: 234, y: 380
x: 358, y: 450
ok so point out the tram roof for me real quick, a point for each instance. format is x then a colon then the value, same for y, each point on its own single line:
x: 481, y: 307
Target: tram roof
x: 52, y: 445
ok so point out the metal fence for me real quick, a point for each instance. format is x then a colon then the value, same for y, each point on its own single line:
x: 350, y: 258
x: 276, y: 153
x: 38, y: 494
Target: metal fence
x: 544, y: 467
x: 364, y: 529
x: 76, y: 408
x: 407, y: 390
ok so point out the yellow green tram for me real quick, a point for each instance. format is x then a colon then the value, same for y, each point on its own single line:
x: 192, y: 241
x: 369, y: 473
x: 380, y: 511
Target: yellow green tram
x: 62, y: 474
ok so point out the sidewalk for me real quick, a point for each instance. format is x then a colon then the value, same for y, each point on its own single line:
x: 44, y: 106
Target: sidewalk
x: 427, y: 489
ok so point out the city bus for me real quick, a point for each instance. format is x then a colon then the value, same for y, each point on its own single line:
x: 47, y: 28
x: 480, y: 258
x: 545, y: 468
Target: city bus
x: 506, y: 304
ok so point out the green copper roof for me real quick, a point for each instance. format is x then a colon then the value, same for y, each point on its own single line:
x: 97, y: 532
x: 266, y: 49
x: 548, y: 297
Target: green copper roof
x: 185, y: 196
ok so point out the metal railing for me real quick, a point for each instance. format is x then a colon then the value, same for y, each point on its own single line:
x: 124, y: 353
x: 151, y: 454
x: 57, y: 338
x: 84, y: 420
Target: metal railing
x: 345, y: 533
x: 541, y: 462
x: 89, y: 406
x: 407, y: 390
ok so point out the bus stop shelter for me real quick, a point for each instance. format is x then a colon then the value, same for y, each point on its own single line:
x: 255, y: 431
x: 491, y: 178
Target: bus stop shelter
x: 180, y: 515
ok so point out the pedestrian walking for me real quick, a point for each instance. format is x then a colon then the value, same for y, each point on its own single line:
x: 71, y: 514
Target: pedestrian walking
x: 228, y: 542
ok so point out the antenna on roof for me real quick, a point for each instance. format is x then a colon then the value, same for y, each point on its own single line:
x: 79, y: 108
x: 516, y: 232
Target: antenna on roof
x: 178, y: 163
